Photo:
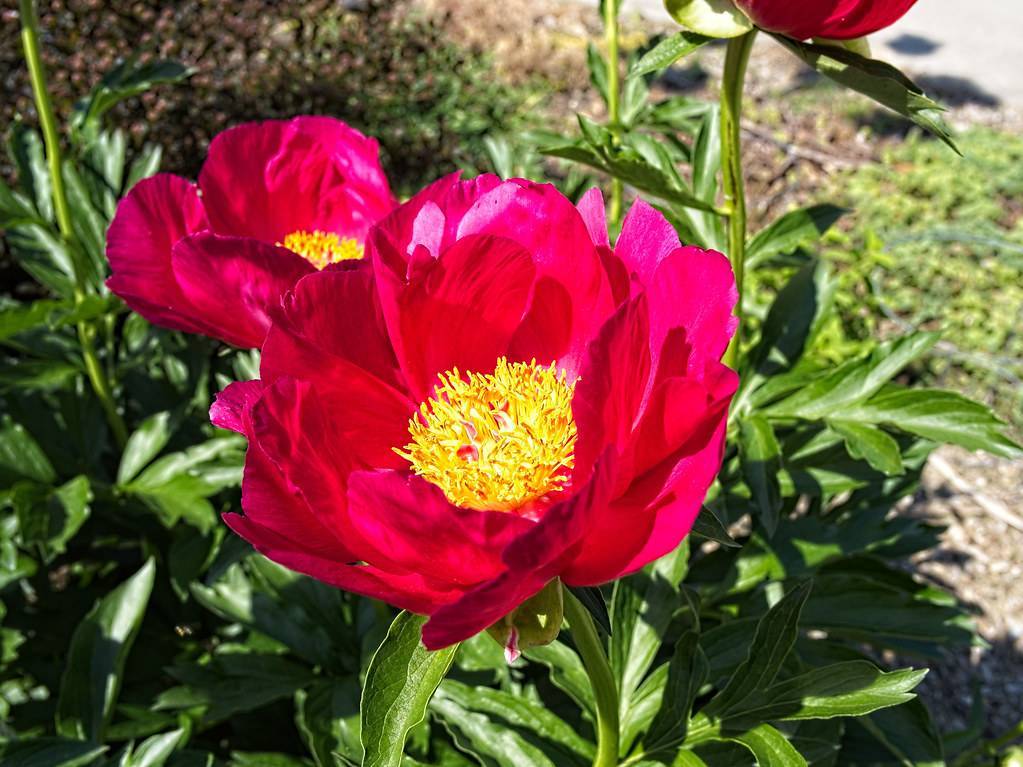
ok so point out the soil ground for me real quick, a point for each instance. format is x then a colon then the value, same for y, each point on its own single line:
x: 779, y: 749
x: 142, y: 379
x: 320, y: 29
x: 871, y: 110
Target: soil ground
x: 791, y: 153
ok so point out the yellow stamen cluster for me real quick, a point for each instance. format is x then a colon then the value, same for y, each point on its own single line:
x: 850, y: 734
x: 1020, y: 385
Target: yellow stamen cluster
x: 323, y: 248
x: 496, y: 441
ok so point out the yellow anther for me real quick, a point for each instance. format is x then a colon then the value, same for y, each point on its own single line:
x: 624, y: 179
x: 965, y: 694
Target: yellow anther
x: 323, y: 248
x: 496, y: 441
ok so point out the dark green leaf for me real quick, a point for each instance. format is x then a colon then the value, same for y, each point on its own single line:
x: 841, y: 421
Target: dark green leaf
x: 770, y: 747
x: 686, y: 674
x: 26, y: 149
x: 327, y: 715
x: 792, y: 230
x: 95, y: 662
x: 937, y: 415
x: 144, y: 445
x: 145, y: 165
x: 124, y: 81
x: 598, y: 70
x: 495, y: 744
x: 854, y: 381
x: 49, y: 752
x: 761, y: 463
x: 16, y: 209
x: 880, y: 81
x: 870, y: 444
x: 156, y: 750
x: 774, y: 638
x: 707, y: 525
x: 21, y: 457
x: 593, y: 600
x: 567, y: 672
x: 667, y: 52
x: 401, y: 680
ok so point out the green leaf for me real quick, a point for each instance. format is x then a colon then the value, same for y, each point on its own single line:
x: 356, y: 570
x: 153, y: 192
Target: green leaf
x: 146, y: 164
x: 401, y: 680
x: 770, y: 747
x: 792, y: 230
x: 707, y: 525
x: 21, y: 317
x: 16, y: 209
x: 90, y: 228
x: 567, y: 672
x: 593, y: 600
x: 642, y: 608
x: 49, y: 752
x: 43, y: 254
x: 870, y: 444
x: 67, y: 510
x: 667, y: 52
x: 598, y: 70
x: 156, y: 750
x: 714, y: 18
x: 880, y: 81
x: 144, y: 445
x: 686, y: 674
x: 774, y: 638
x: 495, y: 744
x: 231, y: 683
x: 850, y: 688
x: 760, y: 455
x: 853, y: 382
x: 907, y: 733
x: 559, y: 740
x: 21, y: 457
x: 124, y: 81
x: 26, y: 149
x: 327, y: 715
x: 937, y: 415
x: 95, y: 662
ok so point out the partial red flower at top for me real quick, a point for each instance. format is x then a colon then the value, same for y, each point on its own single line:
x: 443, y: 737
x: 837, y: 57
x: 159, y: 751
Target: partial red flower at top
x: 505, y: 399
x: 832, y: 19
x: 275, y: 201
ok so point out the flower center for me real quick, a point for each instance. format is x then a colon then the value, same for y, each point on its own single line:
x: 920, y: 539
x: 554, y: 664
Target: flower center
x: 323, y: 248
x: 495, y: 441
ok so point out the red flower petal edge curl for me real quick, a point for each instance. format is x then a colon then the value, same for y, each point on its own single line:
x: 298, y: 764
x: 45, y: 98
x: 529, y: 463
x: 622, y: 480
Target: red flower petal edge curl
x: 613, y: 358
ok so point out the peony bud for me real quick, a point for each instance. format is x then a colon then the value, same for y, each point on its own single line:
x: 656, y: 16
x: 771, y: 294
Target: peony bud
x: 534, y: 623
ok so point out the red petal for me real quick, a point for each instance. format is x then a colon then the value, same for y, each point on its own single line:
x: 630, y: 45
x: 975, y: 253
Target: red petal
x: 232, y: 284
x: 155, y: 214
x: 419, y: 530
x: 266, y: 180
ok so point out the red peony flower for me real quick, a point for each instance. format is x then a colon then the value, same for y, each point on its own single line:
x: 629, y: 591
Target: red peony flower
x: 833, y: 19
x: 498, y: 399
x: 275, y: 201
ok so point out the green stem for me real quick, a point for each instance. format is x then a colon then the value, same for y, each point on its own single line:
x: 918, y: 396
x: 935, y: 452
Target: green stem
x: 51, y: 139
x: 989, y: 747
x: 736, y: 59
x: 605, y: 691
x: 613, y: 100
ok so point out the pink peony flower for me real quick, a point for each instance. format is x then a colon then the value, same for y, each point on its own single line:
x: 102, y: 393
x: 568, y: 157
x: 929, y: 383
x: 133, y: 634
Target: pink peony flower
x: 833, y: 19
x: 501, y: 400
x: 275, y: 201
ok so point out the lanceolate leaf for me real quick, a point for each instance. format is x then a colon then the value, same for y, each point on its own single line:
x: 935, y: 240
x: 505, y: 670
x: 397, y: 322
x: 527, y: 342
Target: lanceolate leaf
x: 667, y: 52
x: 401, y: 680
x: 761, y: 462
x: 686, y: 674
x: 869, y: 443
x: 96, y: 658
x: 593, y: 600
x: 876, y: 79
x: 776, y: 633
x: 49, y: 752
x: 770, y: 747
x: 707, y: 525
x: 790, y: 231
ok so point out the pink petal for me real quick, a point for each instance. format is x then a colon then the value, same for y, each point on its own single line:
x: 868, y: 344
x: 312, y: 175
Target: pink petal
x: 266, y: 180
x: 232, y: 284
x: 230, y: 409
x: 532, y: 560
x: 155, y: 214
x: 591, y: 208
x: 419, y: 530
x: 462, y: 311
x: 646, y: 239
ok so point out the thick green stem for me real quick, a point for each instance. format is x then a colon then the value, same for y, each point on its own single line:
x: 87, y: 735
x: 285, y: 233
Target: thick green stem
x: 736, y: 59
x: 605, y: 691
x: 613, y: 99
x: 51, y: 139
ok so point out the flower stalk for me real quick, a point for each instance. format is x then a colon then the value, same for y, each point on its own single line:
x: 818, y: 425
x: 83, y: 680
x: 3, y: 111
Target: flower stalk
x: 736, y: 60
x: 605, y: 690
x: 51, y: 140
x: 613, y: 97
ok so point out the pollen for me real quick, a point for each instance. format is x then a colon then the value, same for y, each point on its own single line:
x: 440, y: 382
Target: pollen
x: 500, y: 441
x: 323, y: 248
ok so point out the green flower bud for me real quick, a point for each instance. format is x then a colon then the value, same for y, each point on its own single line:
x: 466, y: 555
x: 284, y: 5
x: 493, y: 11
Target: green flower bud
x: 534, y: 623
